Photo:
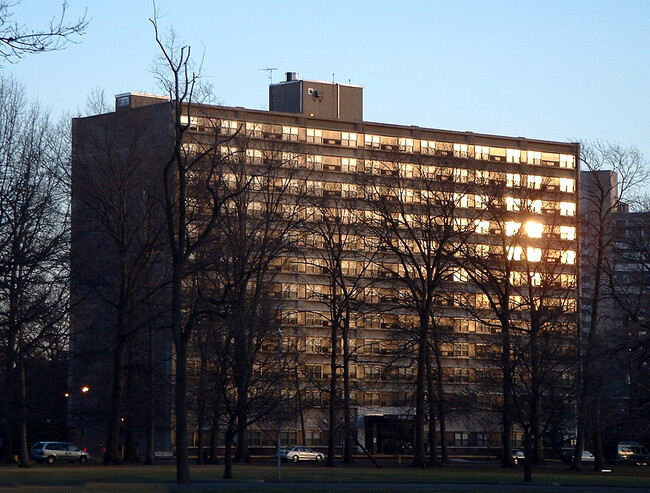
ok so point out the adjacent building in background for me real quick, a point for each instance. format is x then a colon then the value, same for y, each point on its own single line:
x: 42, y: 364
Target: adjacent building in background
x: 515, y: 201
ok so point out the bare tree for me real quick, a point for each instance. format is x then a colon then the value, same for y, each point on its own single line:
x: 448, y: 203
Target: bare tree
x: 613, y: 175
x: 631, y: 290
x: 257, y: 230
x: 34, y: 234
x: 338, y: 229
x: 114, y: 204
x: 18, y: 40
x: 419, y: 213
x: 193, y: 201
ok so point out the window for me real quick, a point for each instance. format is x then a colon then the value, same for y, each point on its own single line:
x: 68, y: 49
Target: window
x: 513, y: 155
x: 461, y: 375
x: 290, y: 291
x: 534, y: 254
x: 482, y: 301
x: 314, y: 371
x: 122, y: 101
x: 254, y: 129
x: 312, y: 438
x: 373, y: 372
x: 567, y: 161
x: 373, y: 399
x: 314, y: 136
x: 514, y: 253
x: 314, y: 161
x: 567, y: 232
x: 405, y: 145
x: 428, y: 147
x: 349, y: 164
x: 482, y: 226
x: 481, y: 202
x: 348, y: 139
x: 314, y: 345
x: 349, y: 190
x: 461, y: 200
x: 535, y: 206
x: 373, y: 141
x: 290, y: 133
x: 534, y: 229
x: 567, y: 185
x: 229, y: 126
x: 289, y: 437
x: 313, y: 319
x: 461, y: 439
x: 482, y: 152
x: 193, y: 122
x: 567, y: 280
x: 568, y: 257
x: 513, y: 204
x: 405, y: 374
x: 460, y: 150
x: 534, y: 157
x: 513, y: 180
x: 534, y: 181
x: 254, y: 156
x: 512, y: 228
x: 460, y: 275
x: 567, y: 209
x: 461, y: 350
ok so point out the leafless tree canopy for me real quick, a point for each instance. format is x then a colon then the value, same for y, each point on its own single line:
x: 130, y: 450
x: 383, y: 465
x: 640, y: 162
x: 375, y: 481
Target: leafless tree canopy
x: 18, y: 40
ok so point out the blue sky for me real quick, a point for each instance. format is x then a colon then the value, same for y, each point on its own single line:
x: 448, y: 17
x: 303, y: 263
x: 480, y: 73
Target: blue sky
x: 562, y: 70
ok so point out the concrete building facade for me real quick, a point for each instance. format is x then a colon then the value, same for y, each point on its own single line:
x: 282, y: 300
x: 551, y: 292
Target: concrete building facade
x: 515, y: 201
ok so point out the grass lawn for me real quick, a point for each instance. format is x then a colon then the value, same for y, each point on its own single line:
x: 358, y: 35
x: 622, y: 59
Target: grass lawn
x: 145, y: 479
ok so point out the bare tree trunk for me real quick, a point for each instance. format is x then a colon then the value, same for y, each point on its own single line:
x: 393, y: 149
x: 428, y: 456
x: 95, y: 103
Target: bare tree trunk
x: 23, y: 451
x: 348, y: 429
x: 227, y: 459
x: 8, y: 449
x: 433, y: 445
x: 180, y: 399
x: 151, y: 402
x: 214, y: 433
x: 301, y: 410
x: 423, y: 345
x: 528, y: 450
x: 331, y: 440
x: 506, y: 413
x: 112, y: 455
x: 442, y: 411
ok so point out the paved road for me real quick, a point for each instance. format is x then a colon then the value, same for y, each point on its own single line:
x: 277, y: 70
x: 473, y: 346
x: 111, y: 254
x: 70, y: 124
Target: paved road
x: 384, y: 487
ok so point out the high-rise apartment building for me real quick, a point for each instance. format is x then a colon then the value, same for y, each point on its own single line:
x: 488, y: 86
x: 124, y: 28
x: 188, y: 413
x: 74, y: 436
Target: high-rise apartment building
x: 505, y: 207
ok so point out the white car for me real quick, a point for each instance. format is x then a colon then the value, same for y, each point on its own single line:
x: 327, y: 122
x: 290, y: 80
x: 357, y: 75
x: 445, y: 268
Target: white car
x: 57, y: 451
x: 298, y: 453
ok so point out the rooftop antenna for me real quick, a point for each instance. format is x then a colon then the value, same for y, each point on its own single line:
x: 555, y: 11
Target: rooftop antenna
x: 269, y: 71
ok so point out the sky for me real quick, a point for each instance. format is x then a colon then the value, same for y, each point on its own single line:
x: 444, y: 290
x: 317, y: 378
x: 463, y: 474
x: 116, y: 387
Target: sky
x: 551, y: 70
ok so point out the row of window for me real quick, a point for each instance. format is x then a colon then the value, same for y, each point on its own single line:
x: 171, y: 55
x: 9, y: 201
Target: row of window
x: 371, y: 294
x: 397, y: 322
x: 370, y: 141
x: 401, y: 169
x: 314, y: 438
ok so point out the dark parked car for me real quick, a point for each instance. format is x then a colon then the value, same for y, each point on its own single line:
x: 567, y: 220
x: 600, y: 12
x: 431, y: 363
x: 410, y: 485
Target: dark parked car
x: 632, y: 453
x: 51, y: 452
x: 587, y: 457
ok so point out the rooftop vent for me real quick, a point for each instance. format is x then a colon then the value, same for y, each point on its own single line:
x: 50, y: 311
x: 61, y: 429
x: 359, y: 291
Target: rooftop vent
x: 292, y: 76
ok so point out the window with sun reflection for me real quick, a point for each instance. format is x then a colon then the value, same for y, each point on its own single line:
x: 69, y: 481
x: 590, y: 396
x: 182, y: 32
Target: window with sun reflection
x: 534, y: 229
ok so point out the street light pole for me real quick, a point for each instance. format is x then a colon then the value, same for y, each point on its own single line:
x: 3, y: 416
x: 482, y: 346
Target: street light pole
x: 277, y: 446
